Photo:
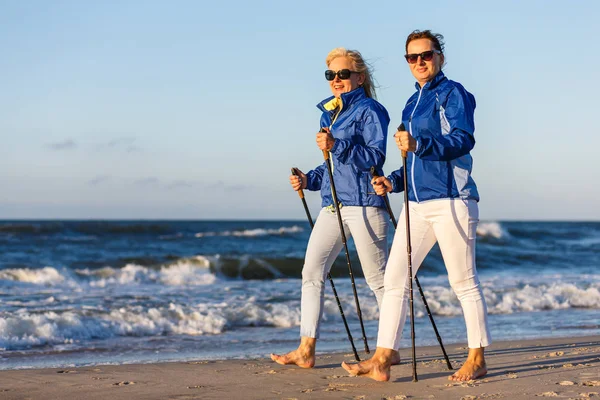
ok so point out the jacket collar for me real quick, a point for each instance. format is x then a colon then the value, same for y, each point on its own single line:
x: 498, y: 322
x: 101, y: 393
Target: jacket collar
x: 347, y: 99
x: 440, y: 77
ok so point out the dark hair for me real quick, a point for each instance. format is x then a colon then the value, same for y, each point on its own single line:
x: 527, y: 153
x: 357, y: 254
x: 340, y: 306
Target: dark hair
x: 436, y: 38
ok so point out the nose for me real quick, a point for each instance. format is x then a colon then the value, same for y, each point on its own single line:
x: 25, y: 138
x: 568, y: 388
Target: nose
x: 420, y: 60
x: 337, y: 79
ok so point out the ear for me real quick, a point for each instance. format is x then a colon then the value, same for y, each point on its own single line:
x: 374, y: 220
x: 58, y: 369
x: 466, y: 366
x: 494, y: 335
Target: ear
x: 361, y: 78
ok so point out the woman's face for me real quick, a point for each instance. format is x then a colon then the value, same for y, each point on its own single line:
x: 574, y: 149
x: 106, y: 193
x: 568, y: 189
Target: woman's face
x: 339, y: 86
x: 422, y: 70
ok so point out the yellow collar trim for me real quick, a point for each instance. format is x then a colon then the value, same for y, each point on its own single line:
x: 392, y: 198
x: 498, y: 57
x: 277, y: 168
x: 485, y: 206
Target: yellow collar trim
x: 333, y: 104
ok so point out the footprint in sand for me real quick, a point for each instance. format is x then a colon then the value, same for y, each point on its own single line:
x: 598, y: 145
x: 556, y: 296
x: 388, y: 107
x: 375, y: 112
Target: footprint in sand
x: 546, y: 366
x: 272, y: 371
x: 547, y: 394
x: 124, y: 383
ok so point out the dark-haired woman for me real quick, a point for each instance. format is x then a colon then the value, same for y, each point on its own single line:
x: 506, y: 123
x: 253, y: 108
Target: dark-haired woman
x: 443, y: 206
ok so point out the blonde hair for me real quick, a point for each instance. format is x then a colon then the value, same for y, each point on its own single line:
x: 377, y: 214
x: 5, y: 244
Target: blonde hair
x: 358, y: 65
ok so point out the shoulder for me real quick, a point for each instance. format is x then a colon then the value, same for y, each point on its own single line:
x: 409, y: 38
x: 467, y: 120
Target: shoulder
x: 370, y: 107
x: 455, y: 89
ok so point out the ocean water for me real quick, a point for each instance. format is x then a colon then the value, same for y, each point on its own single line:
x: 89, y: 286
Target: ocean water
x: 92, y: 292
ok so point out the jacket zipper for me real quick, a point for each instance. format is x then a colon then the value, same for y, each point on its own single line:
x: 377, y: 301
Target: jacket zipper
x: 333, y: 122
x: 412, y: 165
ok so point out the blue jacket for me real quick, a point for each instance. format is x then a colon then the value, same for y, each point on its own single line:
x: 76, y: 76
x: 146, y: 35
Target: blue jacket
x: 360, y: 132
x: 440, y: 116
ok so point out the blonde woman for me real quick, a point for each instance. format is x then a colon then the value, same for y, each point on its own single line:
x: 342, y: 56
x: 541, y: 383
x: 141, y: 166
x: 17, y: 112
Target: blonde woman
x: 356, y: 134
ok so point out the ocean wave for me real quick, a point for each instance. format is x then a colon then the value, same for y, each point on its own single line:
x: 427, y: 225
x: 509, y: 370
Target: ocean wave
x: 184, y: 272
x: 44, y: 276
x: 277, y: 305
x: 511, y: 299
x: 23, y: 330
x: 492, y: 229
x: 254, y: 232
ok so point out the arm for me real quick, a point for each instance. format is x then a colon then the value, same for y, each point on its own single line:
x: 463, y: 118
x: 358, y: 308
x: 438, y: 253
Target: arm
x: 372, y: 153
x: 459, y: 112
x: 397, y: 180
x: 315, y: 177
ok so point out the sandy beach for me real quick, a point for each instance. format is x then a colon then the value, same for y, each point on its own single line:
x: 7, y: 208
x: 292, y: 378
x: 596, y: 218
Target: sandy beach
x: 566, y: 368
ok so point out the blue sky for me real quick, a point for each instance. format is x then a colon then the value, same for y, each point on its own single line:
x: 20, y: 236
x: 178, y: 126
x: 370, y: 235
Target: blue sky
x: 194, y: 109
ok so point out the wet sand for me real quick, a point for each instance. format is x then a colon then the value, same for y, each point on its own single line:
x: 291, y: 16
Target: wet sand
x: 567, y: 368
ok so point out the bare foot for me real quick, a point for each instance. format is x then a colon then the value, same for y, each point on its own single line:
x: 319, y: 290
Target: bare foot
x: 395, y: 360
x: 473, y: 368
x: 303, y: 356
x: 296, y: 357
x: 377, y: 367
x: 470, y: 370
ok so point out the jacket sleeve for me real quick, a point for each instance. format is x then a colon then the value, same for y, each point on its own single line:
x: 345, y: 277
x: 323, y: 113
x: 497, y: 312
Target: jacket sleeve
x: 315, y: 177
x: 459, y: 114
x: 372, y: 153
x: 397, y: 179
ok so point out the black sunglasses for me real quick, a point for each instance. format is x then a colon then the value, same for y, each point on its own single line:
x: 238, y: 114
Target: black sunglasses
x: 342, y: 74
x: 425, y: 56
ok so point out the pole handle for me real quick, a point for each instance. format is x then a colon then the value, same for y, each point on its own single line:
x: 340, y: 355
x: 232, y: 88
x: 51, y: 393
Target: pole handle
x: 295, y: 173
x: 325, y: 152
x: 402, y: 128
x: 373, y: 172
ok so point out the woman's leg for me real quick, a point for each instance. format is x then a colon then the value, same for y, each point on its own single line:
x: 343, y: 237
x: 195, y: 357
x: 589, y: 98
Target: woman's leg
x: 369, y: 228
x: 395, y: 298
x: 323, y: 247
x: 456, y: 230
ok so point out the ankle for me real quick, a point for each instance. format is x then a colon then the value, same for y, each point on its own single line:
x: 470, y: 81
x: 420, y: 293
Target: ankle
x: 476, y: 356
x: 384, y: 356
x: 307, y: 346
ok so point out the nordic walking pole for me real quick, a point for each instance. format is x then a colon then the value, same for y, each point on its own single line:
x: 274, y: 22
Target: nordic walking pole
x: 339, y: 217
x: 409, y: 254
x: 391, y: 213
x: 337, y: 299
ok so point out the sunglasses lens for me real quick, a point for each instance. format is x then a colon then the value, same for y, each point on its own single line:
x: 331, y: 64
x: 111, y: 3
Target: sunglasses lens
x: 427, y: 55
x: 329, y: 75
x: 412, y: 58
x: 344, y: 74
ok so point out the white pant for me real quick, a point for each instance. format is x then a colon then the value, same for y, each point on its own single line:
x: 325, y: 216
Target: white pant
x: 369, y: 227
x: 453, y: 224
